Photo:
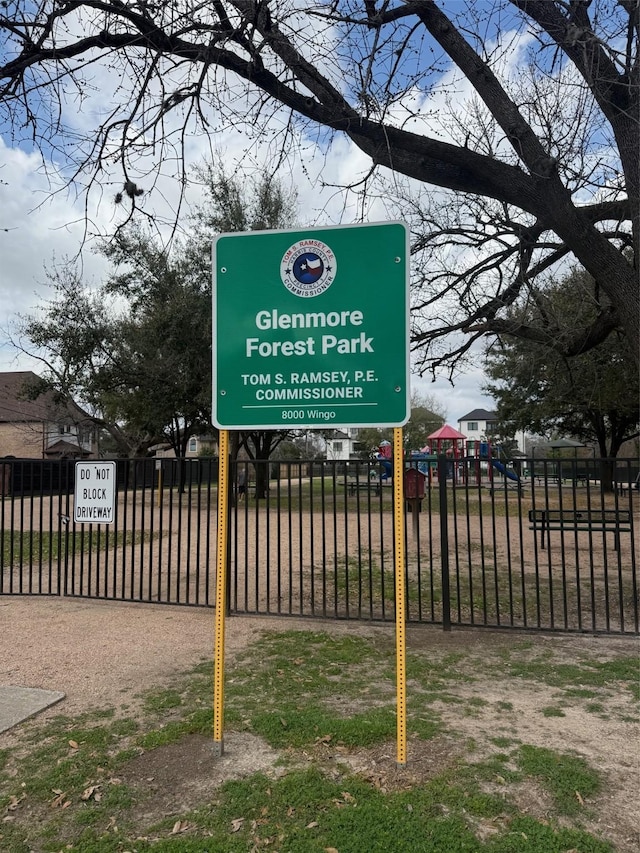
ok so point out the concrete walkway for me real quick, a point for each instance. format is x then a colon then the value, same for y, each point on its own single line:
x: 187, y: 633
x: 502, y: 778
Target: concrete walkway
x: 20, y: 703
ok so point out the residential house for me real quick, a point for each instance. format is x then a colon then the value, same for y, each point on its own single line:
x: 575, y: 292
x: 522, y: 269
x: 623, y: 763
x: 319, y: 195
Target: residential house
x: 340, y: 444
x: 42, y: 428
x: 479, y: 424
x: 198, y: 445
x: 203, y: 445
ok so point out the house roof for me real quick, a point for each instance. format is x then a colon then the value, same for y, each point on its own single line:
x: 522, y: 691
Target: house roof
x: 479, y: 415
x: 338, y: 435
x: 65, y: 449
x: 15, y: 407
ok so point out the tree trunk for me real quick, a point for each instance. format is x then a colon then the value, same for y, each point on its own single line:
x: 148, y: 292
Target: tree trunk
x: 262, y: 478
x: 607, y: 471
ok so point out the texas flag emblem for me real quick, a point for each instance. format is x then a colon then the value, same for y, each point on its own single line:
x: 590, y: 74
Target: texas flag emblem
x: 308, y: 268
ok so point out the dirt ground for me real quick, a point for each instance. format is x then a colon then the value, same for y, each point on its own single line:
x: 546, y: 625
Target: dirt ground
x: 105, y: 654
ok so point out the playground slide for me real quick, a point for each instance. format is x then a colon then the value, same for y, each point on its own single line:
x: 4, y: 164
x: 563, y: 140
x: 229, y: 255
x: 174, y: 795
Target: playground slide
x: 504, y: 470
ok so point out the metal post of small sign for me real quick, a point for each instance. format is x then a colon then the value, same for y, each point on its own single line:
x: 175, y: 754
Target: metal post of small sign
x: 401, y: 649
x: 444, y: 541
x: 221, y: 595
x: 159, y: 470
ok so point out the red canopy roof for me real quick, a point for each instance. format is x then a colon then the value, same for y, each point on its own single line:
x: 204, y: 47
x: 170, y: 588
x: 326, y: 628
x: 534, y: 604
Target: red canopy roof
x: 446, y: 431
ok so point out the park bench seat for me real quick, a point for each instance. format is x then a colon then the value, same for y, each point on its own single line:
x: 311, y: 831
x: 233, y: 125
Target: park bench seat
x: 578, y: 479
x: 356, y: 486
x: 591, y: 520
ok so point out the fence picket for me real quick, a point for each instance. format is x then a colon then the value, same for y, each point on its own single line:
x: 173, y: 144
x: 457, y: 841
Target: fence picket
x: 319, y: 543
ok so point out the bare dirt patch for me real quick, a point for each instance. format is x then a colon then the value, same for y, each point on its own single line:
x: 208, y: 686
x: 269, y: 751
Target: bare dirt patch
x: 178, y: 777
x: 608, y: 745
x: 378, y: 765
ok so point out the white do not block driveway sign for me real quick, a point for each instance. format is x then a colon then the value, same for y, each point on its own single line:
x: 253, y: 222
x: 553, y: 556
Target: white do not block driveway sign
x: 95, y: 493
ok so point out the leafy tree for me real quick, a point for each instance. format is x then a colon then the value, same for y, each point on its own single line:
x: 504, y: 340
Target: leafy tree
x: 370, y: 439
x: 140, y: 371
x: 233, y: 204
x: 303, y: 444
x: 75, y: 336
x: 594, y: 397
x: 144, y: 370
x: 163, y: 370
x: 542, y: 157
x: 427, y: 415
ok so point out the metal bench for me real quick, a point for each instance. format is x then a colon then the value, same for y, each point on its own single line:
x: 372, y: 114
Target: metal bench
x: 356, y: 486
x: 591, y: 520
x: 570, y: 479
x: 540, y: 480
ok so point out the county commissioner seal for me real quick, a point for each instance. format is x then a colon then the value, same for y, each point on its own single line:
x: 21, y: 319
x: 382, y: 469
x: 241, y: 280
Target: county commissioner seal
x: 308, y: 268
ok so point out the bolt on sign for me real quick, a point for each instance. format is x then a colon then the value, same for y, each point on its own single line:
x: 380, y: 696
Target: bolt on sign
x: 311, y: 327
x: 94, y: 498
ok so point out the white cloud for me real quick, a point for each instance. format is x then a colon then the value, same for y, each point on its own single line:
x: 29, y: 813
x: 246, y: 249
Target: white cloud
x: 42, y: 226
x: 458, y: 399
x: 37, y: 225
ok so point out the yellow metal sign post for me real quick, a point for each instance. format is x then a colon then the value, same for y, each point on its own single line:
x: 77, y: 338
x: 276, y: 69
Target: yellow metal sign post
x: 401, y: 646
x: 289, y: 322
x: 221, y: 594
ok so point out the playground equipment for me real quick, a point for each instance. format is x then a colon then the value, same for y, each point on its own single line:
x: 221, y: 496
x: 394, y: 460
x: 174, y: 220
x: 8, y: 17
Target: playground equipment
x: 484, y: 451
x: 464, y: 458
x: 423, y: 461
x: 504, y: 470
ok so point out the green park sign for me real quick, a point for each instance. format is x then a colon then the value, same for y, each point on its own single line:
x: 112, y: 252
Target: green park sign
x: 311, y: 328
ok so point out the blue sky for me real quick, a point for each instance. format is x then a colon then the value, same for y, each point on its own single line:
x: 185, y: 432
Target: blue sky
x: 44, y: 229
x: 42, y: 226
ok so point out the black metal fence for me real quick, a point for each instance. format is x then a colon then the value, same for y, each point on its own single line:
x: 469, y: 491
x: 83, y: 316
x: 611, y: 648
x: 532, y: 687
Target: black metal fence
x: 548, y: 545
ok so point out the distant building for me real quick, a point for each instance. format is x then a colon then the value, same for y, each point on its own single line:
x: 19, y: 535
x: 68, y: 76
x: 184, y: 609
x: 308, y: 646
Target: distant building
x: 203, y: 445
x: 42, y: 428
x: 340, y: 444
x: 198, y: 445
x: 479, y: 424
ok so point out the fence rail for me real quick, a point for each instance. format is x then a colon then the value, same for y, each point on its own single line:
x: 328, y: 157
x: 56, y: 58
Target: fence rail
x: 315, y: 539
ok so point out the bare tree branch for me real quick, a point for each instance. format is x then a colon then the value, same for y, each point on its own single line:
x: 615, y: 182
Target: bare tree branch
x: 549, y: 154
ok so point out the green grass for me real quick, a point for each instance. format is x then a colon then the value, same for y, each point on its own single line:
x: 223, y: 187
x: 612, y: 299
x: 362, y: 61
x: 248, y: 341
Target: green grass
x: 553, y: 711
x: 162, y: 701
x: 298, y: 726
x: 61, y: 761
x: 502, y: 742
x: 197, y: 722
x: 36, y: 546
x: 613, y: 674
x: 580, y: 693
x: 568, y: 778
x: 330, y: 493
x: 314, y: 697
x: 307, y: 812
x: 362, y: 584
